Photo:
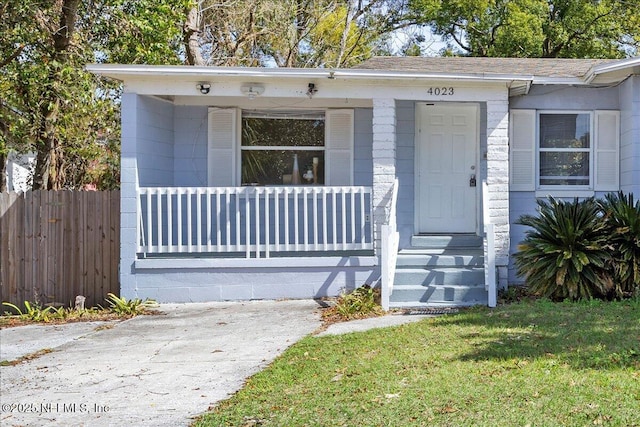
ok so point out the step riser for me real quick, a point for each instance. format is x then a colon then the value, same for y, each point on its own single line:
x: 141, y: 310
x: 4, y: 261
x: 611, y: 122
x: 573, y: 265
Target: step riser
x: 426, y: 260
x: 446, y: 241
x: 439, y: 295
x: 451, y: 277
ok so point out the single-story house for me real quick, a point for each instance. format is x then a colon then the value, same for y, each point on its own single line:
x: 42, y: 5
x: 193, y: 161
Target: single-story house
x: 262, y: 183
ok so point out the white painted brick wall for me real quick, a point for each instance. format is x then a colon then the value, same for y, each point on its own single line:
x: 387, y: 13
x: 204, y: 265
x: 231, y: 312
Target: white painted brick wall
x: 498, y: 180
x: 384, y: 162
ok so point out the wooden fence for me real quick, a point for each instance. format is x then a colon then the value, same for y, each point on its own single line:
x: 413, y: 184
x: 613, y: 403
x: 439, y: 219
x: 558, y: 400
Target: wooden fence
x: 55, y: 245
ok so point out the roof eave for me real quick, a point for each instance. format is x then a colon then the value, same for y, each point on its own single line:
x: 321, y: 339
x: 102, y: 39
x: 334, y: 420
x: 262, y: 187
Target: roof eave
x: 121, y: 72
x: 598, y: 70
x: 558, y: 81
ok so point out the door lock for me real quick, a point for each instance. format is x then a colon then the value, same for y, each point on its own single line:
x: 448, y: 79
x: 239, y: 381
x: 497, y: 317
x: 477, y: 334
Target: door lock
x: 472, y: 181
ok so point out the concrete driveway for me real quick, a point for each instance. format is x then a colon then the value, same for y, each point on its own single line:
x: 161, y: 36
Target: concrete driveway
x: 148, y: 371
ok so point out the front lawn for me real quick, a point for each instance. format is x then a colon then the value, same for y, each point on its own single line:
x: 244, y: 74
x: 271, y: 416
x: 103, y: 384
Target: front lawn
x: 531, y: 363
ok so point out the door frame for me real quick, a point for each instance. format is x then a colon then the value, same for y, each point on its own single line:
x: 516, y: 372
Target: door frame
x: 418, y: 152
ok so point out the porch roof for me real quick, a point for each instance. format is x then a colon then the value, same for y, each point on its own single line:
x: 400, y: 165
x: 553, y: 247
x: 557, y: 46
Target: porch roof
x: 518, y: 73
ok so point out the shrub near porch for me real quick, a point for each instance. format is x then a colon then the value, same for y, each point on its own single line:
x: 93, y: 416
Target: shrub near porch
x: 532, y: 363
x: 582, y: 249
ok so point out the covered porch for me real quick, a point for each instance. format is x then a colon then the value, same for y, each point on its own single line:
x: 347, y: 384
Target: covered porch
x: 200, y: 222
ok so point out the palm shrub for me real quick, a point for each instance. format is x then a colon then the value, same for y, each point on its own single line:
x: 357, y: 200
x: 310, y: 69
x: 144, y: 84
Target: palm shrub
x: 622, y: 218
x: 566, y: 253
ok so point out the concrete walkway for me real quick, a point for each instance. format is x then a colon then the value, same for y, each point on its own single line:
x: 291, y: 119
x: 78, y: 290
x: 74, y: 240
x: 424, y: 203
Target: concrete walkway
x: 151, y: 370
x: 148, y: 371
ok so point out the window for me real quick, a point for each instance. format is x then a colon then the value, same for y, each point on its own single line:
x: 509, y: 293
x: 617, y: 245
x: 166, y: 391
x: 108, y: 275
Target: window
x: 283, y: 148
x: 260, y: 147
x: 564, y: 152
x: 565, y: 149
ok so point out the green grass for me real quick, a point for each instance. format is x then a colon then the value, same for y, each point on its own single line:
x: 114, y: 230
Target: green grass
x: 533, y: 363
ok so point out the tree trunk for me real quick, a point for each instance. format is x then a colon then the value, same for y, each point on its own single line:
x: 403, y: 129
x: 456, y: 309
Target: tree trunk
x: 190, y: 32
x: 48, y: 173
x: 3, y: 172
x: 345, y: 36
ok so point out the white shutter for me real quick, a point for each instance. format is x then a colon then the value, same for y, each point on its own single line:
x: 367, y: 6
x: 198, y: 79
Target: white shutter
x: 522, y: 144
x: 222, y: 138
x: 339, y: 147
x: 606, y: 144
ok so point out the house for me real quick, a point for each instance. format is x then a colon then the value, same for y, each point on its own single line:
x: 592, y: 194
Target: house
x: 258, y: 183
x: 20, y: 169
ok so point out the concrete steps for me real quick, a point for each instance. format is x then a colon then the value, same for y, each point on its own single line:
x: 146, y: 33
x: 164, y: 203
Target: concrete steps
x: 440, y: 270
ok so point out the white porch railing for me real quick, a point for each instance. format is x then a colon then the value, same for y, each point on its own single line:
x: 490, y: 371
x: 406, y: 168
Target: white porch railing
x: 253, y: 221
x: 390, y: 238
x: 489, y: 249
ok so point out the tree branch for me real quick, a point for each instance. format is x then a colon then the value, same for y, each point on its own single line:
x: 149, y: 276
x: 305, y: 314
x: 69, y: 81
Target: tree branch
x: 13, y: 56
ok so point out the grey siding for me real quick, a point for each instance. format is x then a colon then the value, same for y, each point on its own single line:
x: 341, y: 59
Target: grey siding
x: 405, y: 164
x: 190, y: 147
x: 521, y: 203
x: 550, y: 97
x: 630, y: 135
x: 155, y: 142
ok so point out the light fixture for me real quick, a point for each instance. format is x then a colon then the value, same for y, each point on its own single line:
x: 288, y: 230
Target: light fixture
x: 311, y: 90
x: 204, y: 87
x: 252, y: 90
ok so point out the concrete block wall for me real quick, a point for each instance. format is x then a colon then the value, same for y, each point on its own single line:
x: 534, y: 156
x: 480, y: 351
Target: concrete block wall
x: 128, y: 195
x: 225, y: 284
x: 155, y: 135
x: 190, y: 146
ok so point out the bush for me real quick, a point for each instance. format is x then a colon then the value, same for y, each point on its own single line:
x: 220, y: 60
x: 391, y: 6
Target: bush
x: 622, y: 218
x: 567, y: 253
x: 124, y: 307
x: 361, y: 303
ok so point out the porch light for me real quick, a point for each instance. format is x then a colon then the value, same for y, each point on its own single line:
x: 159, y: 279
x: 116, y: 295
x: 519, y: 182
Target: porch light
x: 203, y: 87
x: 252, y: 90
x: 311, y: 90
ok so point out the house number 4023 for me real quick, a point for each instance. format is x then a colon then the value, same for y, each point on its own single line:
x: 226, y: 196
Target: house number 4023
x: 441, y: 91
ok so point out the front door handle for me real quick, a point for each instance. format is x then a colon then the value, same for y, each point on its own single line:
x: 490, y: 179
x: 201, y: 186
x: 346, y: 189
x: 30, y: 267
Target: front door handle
x: 472, y: 181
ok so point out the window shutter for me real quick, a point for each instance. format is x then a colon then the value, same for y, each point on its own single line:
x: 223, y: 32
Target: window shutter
x: 607, y: 143
x: 339, y: 147
x: 522, y: 142
x: 222, y: 138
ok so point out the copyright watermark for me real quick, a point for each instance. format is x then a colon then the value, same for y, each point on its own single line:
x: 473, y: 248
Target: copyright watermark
x: 56, y: 408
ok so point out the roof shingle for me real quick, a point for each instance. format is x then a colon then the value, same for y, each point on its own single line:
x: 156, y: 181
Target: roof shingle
x: 541, y: 67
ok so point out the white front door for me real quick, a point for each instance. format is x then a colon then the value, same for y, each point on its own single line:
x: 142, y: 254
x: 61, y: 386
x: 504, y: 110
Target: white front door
x: 446, y: 168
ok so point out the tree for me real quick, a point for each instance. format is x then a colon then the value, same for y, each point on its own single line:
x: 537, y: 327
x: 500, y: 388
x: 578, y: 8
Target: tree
x: 49, y: 104
x: 534, y: 28
x: 288, y: 33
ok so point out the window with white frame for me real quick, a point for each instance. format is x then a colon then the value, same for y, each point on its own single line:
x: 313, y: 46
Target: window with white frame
x: 262, y: 147
x: 282, y: 148
x: 565, y: 150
